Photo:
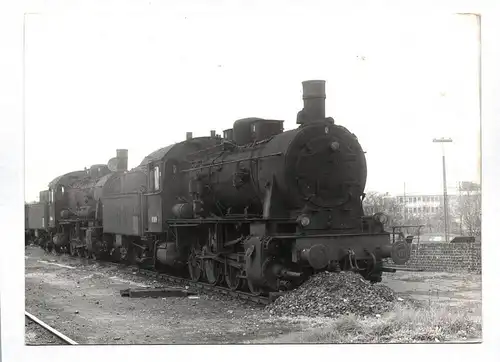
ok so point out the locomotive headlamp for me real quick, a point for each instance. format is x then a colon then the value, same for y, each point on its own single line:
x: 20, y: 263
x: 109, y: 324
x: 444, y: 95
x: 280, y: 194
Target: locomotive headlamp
x: 381, y: 217
x: 304, y: 220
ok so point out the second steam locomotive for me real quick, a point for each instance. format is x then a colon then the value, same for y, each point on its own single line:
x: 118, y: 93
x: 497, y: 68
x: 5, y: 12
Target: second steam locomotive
x: 259, y: 209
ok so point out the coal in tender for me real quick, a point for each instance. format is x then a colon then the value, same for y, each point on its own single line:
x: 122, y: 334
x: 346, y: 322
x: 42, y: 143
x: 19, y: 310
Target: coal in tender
x: 334, y: 294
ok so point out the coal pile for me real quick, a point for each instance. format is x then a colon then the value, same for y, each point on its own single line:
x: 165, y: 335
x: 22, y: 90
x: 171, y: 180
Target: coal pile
x: 334, y: 294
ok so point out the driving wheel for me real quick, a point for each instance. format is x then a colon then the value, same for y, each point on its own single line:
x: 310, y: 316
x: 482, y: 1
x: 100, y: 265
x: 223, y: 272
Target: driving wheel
x: 255, y: 290
x: 194, y: 265
x: 213, y: 271
x: 72, y: 250
x: 57, y: 250
x: 232, y: 278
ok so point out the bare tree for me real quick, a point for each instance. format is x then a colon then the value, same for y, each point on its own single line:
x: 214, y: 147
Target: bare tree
x: 373, y: 202
x: 469, y: 210
x: 379, y: 202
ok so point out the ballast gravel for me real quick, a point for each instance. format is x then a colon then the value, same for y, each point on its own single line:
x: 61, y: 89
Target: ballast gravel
x: 37, y: 335
x: 334, y: 294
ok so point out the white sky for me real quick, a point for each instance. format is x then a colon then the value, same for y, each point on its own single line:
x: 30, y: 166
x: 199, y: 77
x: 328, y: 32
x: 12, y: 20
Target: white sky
x: 98, y: 82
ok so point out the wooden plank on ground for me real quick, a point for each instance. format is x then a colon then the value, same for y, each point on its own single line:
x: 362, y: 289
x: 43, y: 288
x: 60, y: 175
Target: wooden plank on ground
x: 155, y: 292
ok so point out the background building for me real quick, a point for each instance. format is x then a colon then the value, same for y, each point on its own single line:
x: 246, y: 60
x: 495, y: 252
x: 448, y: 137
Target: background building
x: 464, y: 209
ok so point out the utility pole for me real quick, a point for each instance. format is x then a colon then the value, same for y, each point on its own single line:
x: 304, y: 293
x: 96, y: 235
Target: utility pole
x: 442, y: 141
x: 404, y: 202
x: 460, y: 197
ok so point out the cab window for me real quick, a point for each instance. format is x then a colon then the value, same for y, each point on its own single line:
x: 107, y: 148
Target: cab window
x: 51, y: 196
x: 157, y: 178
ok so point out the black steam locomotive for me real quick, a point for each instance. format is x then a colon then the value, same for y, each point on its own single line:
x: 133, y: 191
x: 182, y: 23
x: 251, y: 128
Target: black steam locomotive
x: 259, y: 208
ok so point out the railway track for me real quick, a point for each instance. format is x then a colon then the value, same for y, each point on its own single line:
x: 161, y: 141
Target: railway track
x: 51, y: 330
x: 263, y: 300
x: 202, y: 286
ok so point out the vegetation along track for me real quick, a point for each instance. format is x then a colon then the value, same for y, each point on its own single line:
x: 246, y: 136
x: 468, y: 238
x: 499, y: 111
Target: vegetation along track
x: 53, y: 331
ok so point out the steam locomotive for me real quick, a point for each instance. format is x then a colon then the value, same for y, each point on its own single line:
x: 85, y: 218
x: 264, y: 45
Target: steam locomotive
x: 259, y: 209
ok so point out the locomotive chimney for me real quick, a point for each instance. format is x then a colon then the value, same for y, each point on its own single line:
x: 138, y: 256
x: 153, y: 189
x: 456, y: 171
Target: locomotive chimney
x: 122, y: 157
x: 189, y: 135
x: 212, y: 134
x: 314, y: 101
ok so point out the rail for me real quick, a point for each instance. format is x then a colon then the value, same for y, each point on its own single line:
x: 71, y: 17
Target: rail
x: 256, y: 299
x: 202, y: 286
x: 50, y: 329
x: 263, y: 300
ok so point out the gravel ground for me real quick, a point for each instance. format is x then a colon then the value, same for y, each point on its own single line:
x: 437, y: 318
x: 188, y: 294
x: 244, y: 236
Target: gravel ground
x: 36, y: 335
x: 451, y: 290
x: 82, y: 300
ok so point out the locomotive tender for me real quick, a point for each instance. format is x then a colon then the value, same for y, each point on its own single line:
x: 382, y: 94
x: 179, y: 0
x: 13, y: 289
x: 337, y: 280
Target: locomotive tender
x: 259, y: 208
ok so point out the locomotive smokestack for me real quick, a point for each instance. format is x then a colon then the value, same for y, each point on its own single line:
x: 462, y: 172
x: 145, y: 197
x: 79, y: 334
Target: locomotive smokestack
x: 314, y: 101
x: 212, y: 134
x: 189, y: 135
x: 122, y: 157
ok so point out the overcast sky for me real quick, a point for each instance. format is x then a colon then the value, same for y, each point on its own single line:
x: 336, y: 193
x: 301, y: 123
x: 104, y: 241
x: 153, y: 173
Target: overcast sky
x: 98, y: 82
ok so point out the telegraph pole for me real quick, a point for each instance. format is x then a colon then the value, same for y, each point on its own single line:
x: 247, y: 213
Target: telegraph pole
x: 460, y: 196
x: 445, y: 192
x: 404, y: 203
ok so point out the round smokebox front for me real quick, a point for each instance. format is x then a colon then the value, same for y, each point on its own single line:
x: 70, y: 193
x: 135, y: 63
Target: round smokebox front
x: 324, y: 168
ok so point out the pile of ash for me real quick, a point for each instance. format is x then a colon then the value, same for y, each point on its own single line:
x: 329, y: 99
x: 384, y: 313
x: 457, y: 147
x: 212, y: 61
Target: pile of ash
x: 332, y: 295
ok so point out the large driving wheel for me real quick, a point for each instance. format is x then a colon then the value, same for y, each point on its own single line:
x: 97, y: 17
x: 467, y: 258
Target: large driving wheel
x: 194, y: 266
x: 255, y: 290
x: 213, y: 271
x: 72, y: 250
x: 123, y: 253
x: 233, y: 280
x: 57, y: 250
